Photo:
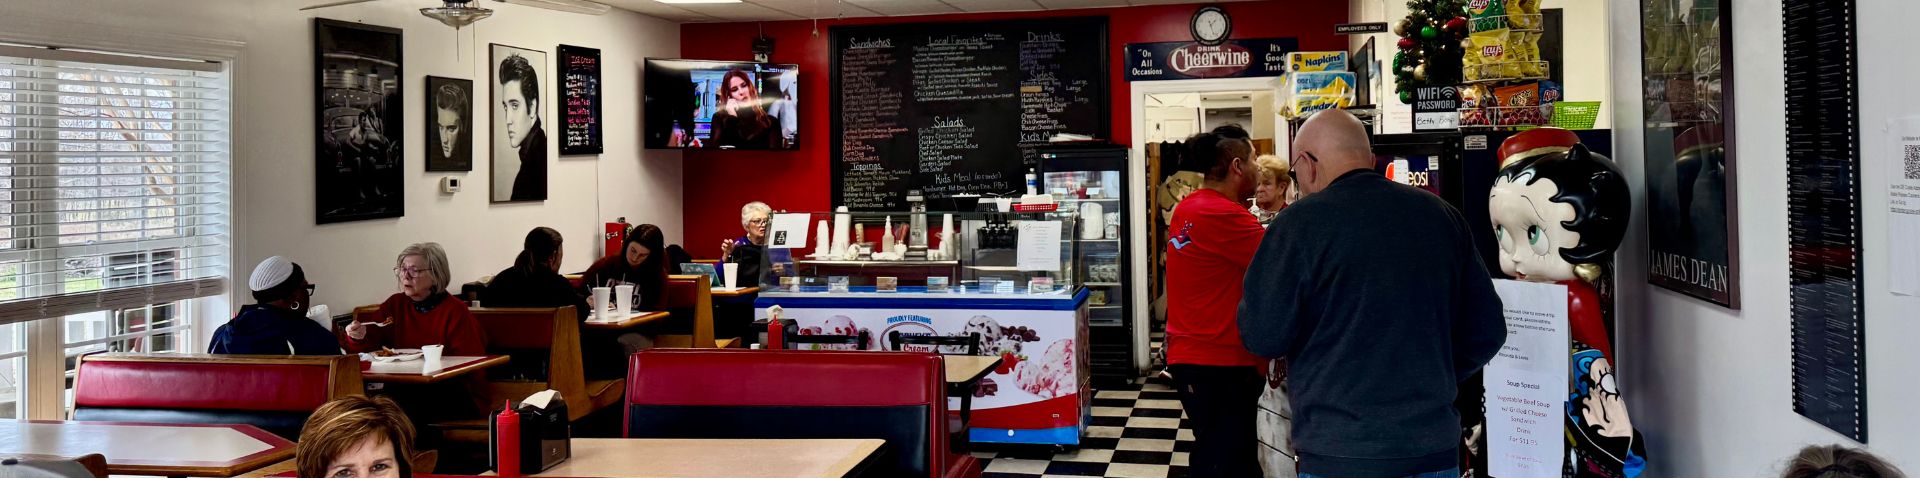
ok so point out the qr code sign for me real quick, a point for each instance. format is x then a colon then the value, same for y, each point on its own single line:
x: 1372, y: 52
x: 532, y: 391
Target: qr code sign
x: 1912, y: 157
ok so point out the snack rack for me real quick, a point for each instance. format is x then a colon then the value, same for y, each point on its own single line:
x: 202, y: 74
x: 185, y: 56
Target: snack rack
x: 1512, y: 90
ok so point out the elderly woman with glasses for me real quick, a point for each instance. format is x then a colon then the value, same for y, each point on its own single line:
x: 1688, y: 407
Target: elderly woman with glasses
x: 758, y: 264
x: 423, y: 313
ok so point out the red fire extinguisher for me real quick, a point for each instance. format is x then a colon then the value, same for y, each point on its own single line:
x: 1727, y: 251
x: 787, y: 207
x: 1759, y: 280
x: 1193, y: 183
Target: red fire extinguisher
x: 616, y: 236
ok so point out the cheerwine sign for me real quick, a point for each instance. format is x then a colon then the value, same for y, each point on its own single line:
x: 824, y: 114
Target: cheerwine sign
x: 1210, y: 61
x: 1184, y: 60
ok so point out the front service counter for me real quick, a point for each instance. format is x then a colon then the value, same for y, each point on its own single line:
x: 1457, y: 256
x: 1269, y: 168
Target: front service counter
x: 1039, y: 395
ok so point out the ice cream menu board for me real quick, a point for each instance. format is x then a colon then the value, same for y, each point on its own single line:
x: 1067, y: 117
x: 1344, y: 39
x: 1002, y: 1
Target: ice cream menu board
x: 954, y: 108
x: 579, y: 100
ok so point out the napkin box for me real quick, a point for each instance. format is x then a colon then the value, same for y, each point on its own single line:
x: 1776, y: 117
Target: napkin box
x: 545, y: 437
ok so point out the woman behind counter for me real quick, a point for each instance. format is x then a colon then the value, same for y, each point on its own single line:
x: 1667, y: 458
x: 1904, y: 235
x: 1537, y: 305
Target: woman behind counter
x: 422, y: 313
x: 277, y: 323
x: 758, y: 264
x: 1271, y: 195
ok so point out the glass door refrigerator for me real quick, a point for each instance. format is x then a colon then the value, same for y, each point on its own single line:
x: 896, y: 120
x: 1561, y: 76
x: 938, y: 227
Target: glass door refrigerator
x: 1090, y: 181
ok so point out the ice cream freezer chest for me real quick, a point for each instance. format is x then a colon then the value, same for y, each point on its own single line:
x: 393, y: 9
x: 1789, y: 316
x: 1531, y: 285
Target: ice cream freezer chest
x: 1040, y: 394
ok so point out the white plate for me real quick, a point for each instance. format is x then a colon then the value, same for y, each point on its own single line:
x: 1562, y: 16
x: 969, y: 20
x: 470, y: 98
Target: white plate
x: 401, y: 355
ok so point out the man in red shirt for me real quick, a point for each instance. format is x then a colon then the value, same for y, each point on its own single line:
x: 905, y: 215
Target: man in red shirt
x: 1212, y: 243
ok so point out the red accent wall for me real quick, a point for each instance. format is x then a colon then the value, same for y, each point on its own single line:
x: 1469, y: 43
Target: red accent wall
x: 716, y: 183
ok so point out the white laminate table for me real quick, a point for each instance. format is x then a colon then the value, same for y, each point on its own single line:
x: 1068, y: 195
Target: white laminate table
x: 153, y: 449
x: 702, y: 458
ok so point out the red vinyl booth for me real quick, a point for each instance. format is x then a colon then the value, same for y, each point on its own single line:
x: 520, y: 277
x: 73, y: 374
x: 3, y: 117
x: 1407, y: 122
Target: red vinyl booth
x: 274, y: 393
x: 899, y: 397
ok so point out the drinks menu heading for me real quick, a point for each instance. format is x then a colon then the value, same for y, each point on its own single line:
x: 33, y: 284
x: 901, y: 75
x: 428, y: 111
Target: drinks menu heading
x: 953, y: 108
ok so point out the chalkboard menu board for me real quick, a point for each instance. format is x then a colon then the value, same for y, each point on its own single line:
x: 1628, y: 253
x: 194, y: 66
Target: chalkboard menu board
x: 952, y: 108
x: 580, y: 105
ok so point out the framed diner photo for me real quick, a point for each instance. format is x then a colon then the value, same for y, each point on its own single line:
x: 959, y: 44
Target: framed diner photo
x: 1686, y: 84
x: 449, y: 124
x: 360, y: 148
x: 520, y: 155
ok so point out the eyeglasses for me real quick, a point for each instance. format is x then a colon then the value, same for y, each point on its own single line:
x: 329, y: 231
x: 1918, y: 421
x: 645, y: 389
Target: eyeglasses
x: 1296, y: 160
x: 310, y: 289
x: 409, y: 272
x: 760, y: 221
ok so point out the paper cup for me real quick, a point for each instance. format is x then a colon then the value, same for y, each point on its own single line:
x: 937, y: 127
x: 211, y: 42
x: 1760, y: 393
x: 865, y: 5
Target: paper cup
x: 623, y: 298
x: 1004, y: 204
x: 430, y: 357
x: 599, y: 302
x: 731, y: 274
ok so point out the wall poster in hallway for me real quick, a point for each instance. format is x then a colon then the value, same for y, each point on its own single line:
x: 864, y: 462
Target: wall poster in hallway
x: 358, y: 154
x: 1686, y: 79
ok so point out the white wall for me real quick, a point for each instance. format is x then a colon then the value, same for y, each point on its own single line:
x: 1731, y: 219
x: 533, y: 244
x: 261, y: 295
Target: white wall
x: 273, y: 143
x: 1710, y: 388
x: 1585, y: 44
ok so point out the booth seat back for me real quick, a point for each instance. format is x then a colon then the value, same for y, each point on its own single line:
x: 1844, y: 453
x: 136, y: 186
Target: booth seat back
x: 897, y: 397
x: 690, y: 299
x: 274, y: 393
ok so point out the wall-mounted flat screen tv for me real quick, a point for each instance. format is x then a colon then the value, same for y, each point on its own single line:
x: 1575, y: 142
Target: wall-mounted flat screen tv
x: 721, y: 105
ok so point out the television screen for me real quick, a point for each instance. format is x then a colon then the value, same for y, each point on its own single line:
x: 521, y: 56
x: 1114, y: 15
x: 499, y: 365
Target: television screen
x: 721, y: 105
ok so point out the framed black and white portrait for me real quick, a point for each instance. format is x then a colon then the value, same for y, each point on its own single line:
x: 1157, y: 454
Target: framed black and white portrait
x: 358, y: 154
x: 519, y: 132
x: 449, y: 124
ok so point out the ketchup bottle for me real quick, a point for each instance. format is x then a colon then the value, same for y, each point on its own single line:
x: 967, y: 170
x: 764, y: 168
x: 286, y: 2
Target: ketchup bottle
x: 507, y: 445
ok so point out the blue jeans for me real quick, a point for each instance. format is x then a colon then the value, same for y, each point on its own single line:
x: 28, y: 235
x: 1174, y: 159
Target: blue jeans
x: 1453, y: 473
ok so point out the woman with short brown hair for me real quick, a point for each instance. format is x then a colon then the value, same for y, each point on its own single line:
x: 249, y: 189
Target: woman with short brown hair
x: 356, y: 437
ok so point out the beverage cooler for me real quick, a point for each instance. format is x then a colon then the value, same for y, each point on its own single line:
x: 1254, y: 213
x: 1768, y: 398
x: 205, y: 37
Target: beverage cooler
x: 1091, y: 182
x: 1460, y: 167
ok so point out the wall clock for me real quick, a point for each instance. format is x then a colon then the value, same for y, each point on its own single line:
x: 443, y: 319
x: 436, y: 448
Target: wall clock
x: 1210, y: 25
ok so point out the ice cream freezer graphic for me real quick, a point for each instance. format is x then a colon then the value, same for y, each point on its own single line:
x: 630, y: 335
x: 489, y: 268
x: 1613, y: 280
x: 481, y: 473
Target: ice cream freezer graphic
x: 1040, y: 393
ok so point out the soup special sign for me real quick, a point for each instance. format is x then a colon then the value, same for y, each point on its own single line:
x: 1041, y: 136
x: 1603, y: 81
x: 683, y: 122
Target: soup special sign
x: 1186, y: 60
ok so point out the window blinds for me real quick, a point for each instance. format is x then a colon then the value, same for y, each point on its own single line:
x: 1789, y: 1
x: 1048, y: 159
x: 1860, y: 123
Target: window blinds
x: 113, y: 183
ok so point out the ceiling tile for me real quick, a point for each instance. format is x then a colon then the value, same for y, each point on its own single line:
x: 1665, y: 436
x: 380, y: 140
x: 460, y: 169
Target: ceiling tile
x: 896, y: 8
x: 656, y: 9
x: 995, y: 5
x: 1067, y: 4
x: 741, y: 12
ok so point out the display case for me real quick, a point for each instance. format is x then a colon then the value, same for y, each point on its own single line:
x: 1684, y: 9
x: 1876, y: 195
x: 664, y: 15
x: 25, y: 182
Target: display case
x: 1034, y: 318
x: 1090, y: 182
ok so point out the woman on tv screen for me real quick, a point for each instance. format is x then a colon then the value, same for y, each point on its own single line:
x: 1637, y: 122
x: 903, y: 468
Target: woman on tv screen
x: 740, y: 121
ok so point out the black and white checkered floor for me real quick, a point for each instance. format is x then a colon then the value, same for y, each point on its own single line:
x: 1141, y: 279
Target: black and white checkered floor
x: 1137, y: 431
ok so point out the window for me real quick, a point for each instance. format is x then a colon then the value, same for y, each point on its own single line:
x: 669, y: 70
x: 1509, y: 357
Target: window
x: 112, y: 189
x: 113, y: 211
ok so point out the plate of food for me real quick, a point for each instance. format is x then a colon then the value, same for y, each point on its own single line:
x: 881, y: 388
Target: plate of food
x: 388, y: 355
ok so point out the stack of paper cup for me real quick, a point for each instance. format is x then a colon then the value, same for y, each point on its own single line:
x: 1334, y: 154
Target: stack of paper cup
x: 599, y: 301
x: 822, y: 238
x: 946, y: 236
x: 623, y: 299
x: 842, y: 229
x: 731, y: 273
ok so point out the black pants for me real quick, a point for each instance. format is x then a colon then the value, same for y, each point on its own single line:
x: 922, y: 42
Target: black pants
x: 1222, y: 402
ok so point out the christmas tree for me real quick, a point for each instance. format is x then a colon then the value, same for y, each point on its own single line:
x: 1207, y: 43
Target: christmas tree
x: 1429, y: 44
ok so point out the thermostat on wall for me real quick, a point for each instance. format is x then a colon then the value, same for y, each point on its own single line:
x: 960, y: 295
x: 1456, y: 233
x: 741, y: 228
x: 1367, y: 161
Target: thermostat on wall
x: 449, y: 185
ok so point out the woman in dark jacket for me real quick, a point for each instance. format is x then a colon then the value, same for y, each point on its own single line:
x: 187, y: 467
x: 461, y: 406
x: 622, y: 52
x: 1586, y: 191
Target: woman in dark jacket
x: 535, y: 281
x: 642, y: 263
x: 277, y: 324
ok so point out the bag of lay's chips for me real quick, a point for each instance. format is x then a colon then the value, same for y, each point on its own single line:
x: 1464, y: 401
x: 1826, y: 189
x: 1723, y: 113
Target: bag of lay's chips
x: 1523, y: 55
x: 1485, y: 15
x: 1490, y: 49
x: 1523, y: 14
x: 1310, y: 61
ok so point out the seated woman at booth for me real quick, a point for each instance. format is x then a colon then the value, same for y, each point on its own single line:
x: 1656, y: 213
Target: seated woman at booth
x: 758, y: 264
x: 642, y: 262
x: 422, y: 313
x: 535, y: 281
x: 277, y: 323
x: 356, y: 437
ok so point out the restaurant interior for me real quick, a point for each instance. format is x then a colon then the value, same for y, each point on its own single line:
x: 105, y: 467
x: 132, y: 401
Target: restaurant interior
x: 810, y: 238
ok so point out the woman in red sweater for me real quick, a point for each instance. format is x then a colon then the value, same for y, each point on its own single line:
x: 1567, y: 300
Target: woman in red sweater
x: 423, y: 313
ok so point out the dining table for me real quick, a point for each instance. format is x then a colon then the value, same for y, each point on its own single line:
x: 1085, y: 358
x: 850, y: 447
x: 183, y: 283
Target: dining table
x: 413, y: 372
x: 732, y: 458
x: 614, y: 321
x: 151, y: 449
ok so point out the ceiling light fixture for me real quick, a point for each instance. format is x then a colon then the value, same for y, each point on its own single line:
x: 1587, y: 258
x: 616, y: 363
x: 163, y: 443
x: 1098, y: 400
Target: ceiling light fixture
x: 457, y: 13
x: 695, y: 2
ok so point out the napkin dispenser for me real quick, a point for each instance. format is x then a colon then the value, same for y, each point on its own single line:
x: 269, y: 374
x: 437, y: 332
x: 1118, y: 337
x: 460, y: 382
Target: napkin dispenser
x: 545, y: 433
